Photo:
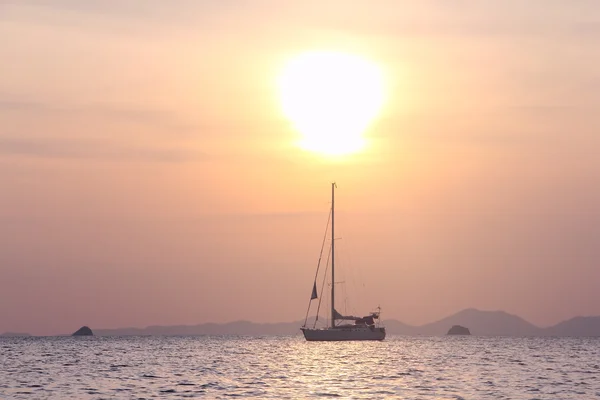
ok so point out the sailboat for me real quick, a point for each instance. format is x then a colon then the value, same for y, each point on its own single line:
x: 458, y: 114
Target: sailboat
x: 342, y: 327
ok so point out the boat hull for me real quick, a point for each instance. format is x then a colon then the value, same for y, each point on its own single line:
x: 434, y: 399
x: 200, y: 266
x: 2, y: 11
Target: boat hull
x: 342, y: 334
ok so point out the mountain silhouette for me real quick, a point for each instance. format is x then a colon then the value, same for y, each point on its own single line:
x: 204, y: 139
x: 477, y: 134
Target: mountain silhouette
x: 481, y: 323
x: 578, y: 326
x: 244, y: 328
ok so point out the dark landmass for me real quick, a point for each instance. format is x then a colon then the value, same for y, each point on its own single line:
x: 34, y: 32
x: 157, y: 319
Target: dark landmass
x: 484, y: 323
x: 578, y: 326
x: 458, y: 330
x: 243, y: 328
x: 480, y: 323
x: 83, y: 331
x: 15, y: 334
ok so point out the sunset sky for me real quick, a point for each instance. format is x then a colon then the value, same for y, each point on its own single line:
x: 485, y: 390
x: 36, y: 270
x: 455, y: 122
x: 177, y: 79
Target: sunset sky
x: 148, y: 174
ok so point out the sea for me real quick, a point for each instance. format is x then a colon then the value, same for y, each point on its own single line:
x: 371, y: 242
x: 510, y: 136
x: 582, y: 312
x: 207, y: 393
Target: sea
x: 288, y: 367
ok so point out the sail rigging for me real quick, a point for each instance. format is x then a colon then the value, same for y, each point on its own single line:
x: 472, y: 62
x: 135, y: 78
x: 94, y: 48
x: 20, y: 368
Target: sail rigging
x: 322, y: 288
x: 314, y: 293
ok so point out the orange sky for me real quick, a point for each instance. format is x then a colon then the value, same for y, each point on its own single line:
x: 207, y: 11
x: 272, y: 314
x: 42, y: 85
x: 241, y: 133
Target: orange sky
x: 148, y: 175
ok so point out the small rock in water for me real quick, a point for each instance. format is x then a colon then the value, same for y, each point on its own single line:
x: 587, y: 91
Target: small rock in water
x: 459, y: 330
x: 83, y: 331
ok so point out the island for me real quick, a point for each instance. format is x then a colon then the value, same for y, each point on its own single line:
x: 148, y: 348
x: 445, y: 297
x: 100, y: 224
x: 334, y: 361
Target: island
x: 83, y: 331
x: 458, y: 330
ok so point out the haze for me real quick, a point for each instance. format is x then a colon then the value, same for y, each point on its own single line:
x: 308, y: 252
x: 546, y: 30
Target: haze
x: 148, y: 176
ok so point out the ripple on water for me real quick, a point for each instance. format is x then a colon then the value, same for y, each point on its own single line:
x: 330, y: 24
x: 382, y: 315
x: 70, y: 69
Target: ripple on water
x: 288, y: 367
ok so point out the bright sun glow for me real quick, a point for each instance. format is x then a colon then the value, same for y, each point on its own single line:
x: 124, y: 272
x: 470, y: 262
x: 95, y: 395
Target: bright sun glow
x: 331, y: 98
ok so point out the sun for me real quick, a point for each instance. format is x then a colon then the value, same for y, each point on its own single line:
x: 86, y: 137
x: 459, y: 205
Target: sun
x: 331, y: 98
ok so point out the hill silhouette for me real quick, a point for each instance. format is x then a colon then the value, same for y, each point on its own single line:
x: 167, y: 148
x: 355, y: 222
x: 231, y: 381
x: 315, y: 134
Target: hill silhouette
x: 482, y: 323
x: 245, y: 328
x: 578, y: 326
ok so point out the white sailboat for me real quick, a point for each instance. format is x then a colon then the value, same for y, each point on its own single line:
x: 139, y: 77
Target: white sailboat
x: 342, y: 327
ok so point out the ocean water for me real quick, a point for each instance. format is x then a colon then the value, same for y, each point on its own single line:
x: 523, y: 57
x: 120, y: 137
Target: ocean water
x: 291, y: 368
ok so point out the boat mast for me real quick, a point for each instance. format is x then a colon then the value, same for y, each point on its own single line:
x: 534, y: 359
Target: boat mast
x: 332, y: 256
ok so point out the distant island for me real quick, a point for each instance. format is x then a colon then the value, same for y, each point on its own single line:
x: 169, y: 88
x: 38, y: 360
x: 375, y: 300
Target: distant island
x: 83, y: 331
x: 479, y: 323
x: 458, y: 330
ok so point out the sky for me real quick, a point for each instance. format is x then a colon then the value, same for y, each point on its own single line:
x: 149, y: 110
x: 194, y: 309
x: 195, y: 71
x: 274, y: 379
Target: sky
x: 148, y: 175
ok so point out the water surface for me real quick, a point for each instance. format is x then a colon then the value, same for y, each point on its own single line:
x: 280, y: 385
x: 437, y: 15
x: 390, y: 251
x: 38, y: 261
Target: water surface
x: 291, y: 368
